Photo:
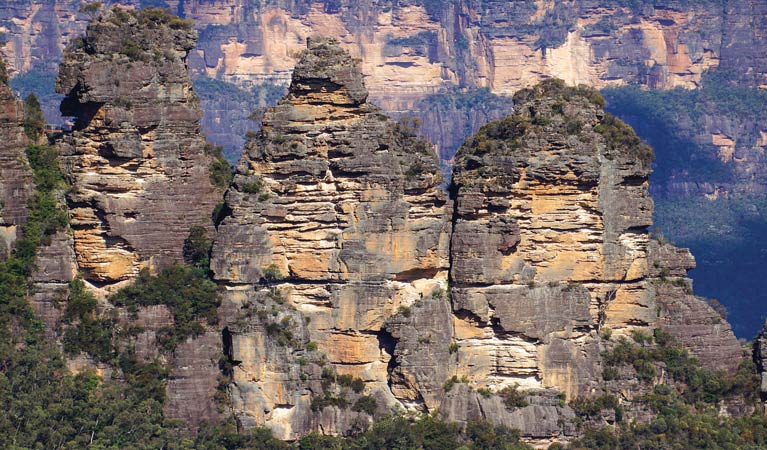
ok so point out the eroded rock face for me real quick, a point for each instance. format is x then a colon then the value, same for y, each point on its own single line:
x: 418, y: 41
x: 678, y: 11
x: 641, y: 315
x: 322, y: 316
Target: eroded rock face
x: 550, y: 240
x: 550, y: 246
x: 16, y: 183
x: 136, y: 158
x: 337, y: 248
x: 689, y: 319
x: 345, y: 204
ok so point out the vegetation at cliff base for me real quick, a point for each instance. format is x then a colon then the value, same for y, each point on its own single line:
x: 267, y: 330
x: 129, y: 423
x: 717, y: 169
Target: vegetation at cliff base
x: 685, y: 404
x: 3, y: 72
x: 45, y: 217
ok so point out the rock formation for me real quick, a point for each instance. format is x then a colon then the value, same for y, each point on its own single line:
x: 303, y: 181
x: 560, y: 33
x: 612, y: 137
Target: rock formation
x: 353, y: 284
x: 140, y: 176
x: 338, y: 248
x: 346, y: 205
x: 16, y: 183
x: 550, y: 246
x: 136, y: 157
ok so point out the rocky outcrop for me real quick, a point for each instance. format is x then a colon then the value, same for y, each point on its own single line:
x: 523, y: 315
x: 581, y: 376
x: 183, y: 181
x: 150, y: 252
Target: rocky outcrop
x: 550, y: 249
x: 352, y: 283
x: 550, y: 241
x: 689, y: 319
x: 16, y: 183
x: 136, y: 158
x: 344, y: 204
x: 338, y: 245
x: 415, y: 48
x: 140, y: 176
x: 545, y: 419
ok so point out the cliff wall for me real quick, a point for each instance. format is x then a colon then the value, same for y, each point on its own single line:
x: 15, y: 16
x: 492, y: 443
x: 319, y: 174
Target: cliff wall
x: 351, y: 283
x: 16, y: 183
x: 136, y: 158
x: 345, y: 204
x: 344, y: 263
x: 416, y: 48
x: 141, y: 177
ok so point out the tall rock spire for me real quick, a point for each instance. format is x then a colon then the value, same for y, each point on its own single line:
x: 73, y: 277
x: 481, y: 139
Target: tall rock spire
x: 16, y: 184
x: 345, y: 204
x: 136, y: 158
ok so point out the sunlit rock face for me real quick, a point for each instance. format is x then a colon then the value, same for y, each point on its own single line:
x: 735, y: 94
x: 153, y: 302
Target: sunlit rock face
x: 550, y: 241
x: 345, y: 204
x: 340, y: 255
x: 135, y: 160
x: 550, y: 246
x: 16, y: 183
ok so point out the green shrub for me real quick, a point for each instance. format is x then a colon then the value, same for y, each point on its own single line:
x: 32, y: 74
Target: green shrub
x: 272, y: 273
x: 160, y: 16
x: 90, y: 9
x: 221, y: 174
x: 80, y: 302
x: 641, y: 337
x: 513, y: 397
x: 254, y: 187
x: 328, y: 399
x: 282, y: 332
x: 448, y: 386
x: 92, y: 336
x: 485, y: 392
x: 187, y: 291
x: 34, y: 121
x: 366, y: 404
x: 197, y: 247
x: 3, y: 72
x: 132, y: 50
x: 593, y: 407
x: 610, y: 373
x: 356, y: 384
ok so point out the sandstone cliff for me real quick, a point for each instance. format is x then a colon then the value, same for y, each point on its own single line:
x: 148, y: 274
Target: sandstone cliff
x: 16, y: 183
x: 346, y: 205
x: 353, y: 285
x: 136, y: 156
x: 349, y: 274
x: 551, y: 253
x: 411, y: 49
x: 141, y: 176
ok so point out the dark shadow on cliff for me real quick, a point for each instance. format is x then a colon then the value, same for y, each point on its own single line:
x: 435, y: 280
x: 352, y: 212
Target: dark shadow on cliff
x: 725, y: 234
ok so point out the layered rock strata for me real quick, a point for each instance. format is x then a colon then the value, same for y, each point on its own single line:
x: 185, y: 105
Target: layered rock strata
x: 412, y: 47
x: 353, y: 284
x: 344, y: 204
x: 135, y: 159
x: 549, y: 242
x: 16, y: 183
x: 550, y: 246
x: 338, y: 246
x: 140, y: 176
